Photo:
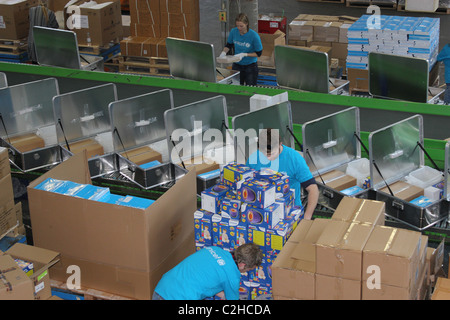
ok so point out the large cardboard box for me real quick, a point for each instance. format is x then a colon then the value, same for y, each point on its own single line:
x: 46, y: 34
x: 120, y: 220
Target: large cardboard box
x: 8, y: 218
x: 269, y: 41
x: 27, y: 142
x: 293, y: 271
x: 92, y: 147
x: 396, y: 253
x: 15, y: 284
x: 404, y: 191
x: 14, y: 20
x: 6, y: 187
x: 121, y: 250
x: 177, y: 6
x: 101, y: 23
x: 339, y: 249
x: 360, y: 211
x: 142, y: 155
x: 358, y: 79
x: 5, y: 167
x: 334, y: 288
x: 442, y: 289
x: 143, y: 47
x: 42, y: 260
x: 144, y: 12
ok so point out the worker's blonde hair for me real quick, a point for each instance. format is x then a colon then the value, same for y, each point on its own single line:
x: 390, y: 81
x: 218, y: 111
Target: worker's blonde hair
x: 242, y: 17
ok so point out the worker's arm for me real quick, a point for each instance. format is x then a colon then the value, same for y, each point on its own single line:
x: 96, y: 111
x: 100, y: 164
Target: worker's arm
x: 313, y: 198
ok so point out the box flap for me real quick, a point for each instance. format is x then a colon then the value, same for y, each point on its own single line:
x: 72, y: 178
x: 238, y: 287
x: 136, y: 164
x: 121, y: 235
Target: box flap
x: 356, y: 236
x: 333, y: 233
x: 301, y: 231
x: 44, y: 257
x: 74, y: 169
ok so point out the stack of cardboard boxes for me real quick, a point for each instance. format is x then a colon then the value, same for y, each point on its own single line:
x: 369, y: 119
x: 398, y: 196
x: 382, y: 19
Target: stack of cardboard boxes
x: 352, y: 256
x: 248, y: 206
x: 8, y: 218
x: 153, y: 21
x: 14, y: 20
x: 323, y: 33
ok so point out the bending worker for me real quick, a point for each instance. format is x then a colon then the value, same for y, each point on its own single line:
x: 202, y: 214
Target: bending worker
x: 208, y: 272
x: 273, y: 154
x: 247, y: 48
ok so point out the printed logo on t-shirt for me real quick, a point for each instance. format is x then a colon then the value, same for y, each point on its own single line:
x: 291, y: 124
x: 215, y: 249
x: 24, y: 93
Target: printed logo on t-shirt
x: 218, y: 258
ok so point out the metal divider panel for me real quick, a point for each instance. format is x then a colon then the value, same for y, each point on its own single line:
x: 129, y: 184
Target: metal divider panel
x: 3, y: 80
x: 139, y: 120
x: 191, y: 60
x: 56, y: 47
x: 302, y: 69
x: 28, y: 106
x: 395, y: 151
x: 246, y: 128
x: 196, y: 127
x: 398, y: 77
x: 447, y: 172
x: 330, y: 141
x: 84, y: 113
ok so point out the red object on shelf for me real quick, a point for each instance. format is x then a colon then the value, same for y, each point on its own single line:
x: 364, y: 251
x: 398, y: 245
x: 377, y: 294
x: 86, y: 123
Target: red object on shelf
x: 270, y: 25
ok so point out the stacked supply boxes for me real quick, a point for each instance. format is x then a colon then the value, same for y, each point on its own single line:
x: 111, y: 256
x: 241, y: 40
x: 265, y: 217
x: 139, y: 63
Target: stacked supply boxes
x: 248, y: 206
x: 8, y: 217
x: 322, y: 31
x: 153, y: 21
x: 416, y: 37
x: 352, y: 256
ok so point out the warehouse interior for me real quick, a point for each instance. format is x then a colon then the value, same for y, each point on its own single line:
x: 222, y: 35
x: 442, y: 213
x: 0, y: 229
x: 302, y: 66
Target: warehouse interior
x: 125, y: 250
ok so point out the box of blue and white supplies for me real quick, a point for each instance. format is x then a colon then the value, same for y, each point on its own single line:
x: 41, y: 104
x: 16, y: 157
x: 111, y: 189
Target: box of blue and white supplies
x: 287, y: 203
x: 238, y: 233
x: 221, y: 231
x: 280, y: 180
x: 211, y: 198
x: 234, y: 172
x: 277, y: 236
x: 203, y: 227
x: 128, y: 201
x: 422, y: 201
x: 259, y: 193
x: 261, y: 217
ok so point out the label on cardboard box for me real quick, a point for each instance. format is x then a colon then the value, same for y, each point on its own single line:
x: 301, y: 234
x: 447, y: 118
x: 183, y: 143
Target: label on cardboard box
x: 2, y: 23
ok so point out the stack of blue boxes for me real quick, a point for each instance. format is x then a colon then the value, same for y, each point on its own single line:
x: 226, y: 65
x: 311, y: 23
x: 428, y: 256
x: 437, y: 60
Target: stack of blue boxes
x: 248, y: 206
x: 90, y: 192
x: 416, y: 37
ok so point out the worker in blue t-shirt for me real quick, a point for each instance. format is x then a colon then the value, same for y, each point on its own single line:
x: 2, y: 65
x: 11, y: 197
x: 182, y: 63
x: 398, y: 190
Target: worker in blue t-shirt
x: 444, y: 56
x: 208, y: 272
x: 247, y: 48
x: 276, y: 156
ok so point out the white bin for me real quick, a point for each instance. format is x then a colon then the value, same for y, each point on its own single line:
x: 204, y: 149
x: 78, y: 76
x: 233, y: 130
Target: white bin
x: 424, y: 177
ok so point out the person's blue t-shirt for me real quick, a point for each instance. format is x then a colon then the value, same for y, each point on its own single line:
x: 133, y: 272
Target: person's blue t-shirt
x: 202, y: 275
x: 246, y: 43
x: 290, y: 162
x: 444, y: 56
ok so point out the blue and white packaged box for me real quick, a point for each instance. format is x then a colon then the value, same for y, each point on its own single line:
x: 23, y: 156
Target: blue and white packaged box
x: 211, y: 198
x: 259, y: 193
x: 352, y: 190
x: 277, y: 237
x: 150, y: 164
x: 261, y: 217
x: 238, y: 233
x: 128, y: 201
x: 287, y: 203
x: 233, y: 173
x: 230, y: 208
x: 280, y: 180
x: 220, y: 234
x: 422, y: 201
x: 91, y: 192
x: 49, y: 184
x: 69, y: 188
x: 203, y: 227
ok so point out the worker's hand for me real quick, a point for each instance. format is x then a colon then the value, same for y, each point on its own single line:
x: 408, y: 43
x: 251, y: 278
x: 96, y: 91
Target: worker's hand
x: 240, y: 56
x: 223, y: 54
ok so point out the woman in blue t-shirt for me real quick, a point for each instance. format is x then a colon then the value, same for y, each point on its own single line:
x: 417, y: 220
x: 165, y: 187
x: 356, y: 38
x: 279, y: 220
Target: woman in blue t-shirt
x: 247, y: 48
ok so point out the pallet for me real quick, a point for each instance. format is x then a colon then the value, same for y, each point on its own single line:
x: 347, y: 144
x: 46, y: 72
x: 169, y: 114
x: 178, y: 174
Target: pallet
x: 402, y: 7
x: 13, y: 47
x: 144, y: 65
x: 353, y: 91
x: 360, y: 4
x: 86, y: 293
x: 97, y: 49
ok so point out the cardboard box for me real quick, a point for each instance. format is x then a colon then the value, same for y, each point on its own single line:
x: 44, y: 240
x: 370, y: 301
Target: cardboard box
x: 103, y: 22
x: 27, y: 142
x: 435, y: 257
x: 188, y: 33
x: 177, y: 6
x: 337, y: 180
x: 5, y: 167
x: 121, y: 250
x: 333, y: 288
x: 200, y: 164
x: 92, y: 147
x: 7, y: 194
x: 387, y: 292
x: 358, y: 78
x: 396, y: 252
x: 235, y: 172
x: 42, y: 260
x: 186, y: 20
x: 14, y: 20
x: 442, y: 289
x: 269, y: 41
x: 8, y: 218
x: 145, y: 12
x: 404, y: 191
x: 15, y: 285
x: 360, y: 211
x: 301, y: 30
x: 137, y: 46
x: 142, y: 155
x: 258, y: 193
x: 340, y: 247
x: 145, y: 30
x: 340, y: 50
x: 326, y: 31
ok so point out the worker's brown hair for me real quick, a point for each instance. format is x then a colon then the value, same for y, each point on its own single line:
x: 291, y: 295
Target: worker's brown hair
x: 250, y: 254
x: 242, y: 17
